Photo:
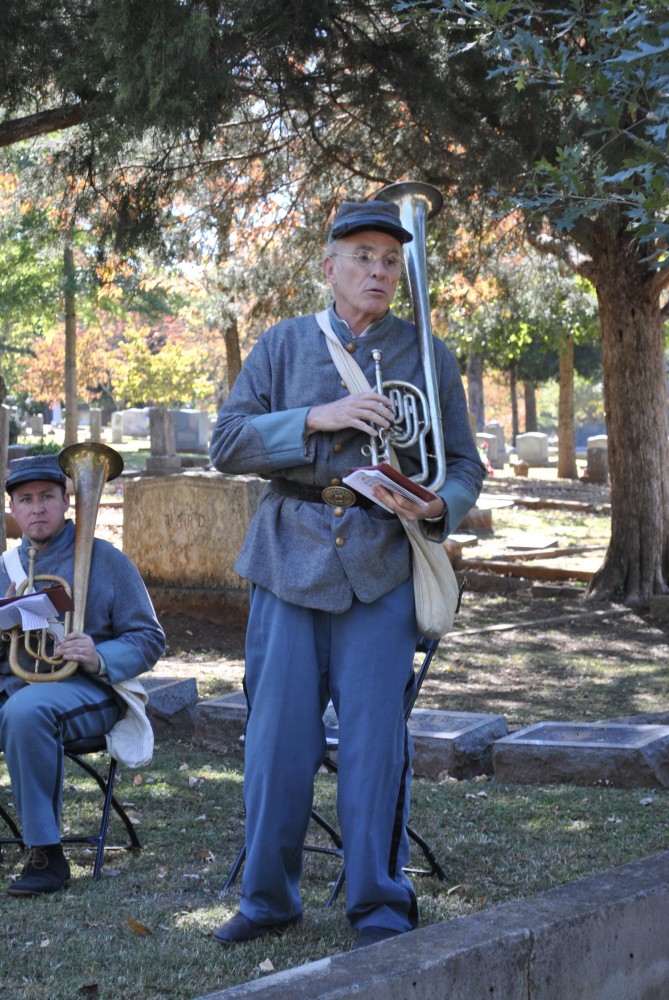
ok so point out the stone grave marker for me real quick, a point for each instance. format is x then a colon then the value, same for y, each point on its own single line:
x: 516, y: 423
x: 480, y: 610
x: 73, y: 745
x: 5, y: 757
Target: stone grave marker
x: 532, y: 448
x: 627, y: 756
x: 457, y: 743
x: 163, y: 458
x: 191, y: 429
x: 598, y: 459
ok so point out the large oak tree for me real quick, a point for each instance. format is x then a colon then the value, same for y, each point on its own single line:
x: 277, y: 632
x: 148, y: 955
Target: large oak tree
x: 560, y: 110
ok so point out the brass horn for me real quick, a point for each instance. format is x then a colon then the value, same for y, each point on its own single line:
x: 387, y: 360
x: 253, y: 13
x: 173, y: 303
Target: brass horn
x: 417, y: 413
x: 89, y: 466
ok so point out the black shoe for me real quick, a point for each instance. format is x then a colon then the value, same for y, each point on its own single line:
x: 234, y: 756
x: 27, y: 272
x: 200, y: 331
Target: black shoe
x: 240, y: 928
x: 45, y: 870
x: 372, y: 935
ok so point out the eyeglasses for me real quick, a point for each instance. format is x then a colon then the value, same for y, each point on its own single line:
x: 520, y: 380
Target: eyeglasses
x: 392, y: 262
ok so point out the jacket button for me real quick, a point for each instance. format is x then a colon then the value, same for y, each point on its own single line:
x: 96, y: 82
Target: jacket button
x: 335, y: 481
x: 339, y: 541
x: 338, y: 512
x: 351, y: 348
x: 336, y: 448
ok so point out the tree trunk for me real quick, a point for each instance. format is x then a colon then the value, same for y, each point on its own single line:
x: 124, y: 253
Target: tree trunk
x: 71, y: 410
x: 475, y: 389
x: 636, y: 565
x: 530, y: 392
x: 566, y: 468
x: 230, y: 325
x: 232, y: 351
x: 513, y: 389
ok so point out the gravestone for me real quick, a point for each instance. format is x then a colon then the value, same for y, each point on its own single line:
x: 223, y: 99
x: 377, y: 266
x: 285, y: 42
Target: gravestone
x: 497, y: 455
x: 627, y: 756
x: 134, y: 422
x: 172, y: 703
x: 184, y: 534
x: 163, y: 459
x: 598, y: 459
x: 488, y: 444
x: 117, y: 427
x: 455, y: 743
x: 191, y: 428
x: 37, y: 425
x: 532, y: 448
x: 95, y: 428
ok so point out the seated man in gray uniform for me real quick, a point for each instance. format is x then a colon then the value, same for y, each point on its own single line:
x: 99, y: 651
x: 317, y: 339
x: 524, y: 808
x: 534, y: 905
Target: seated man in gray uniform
x: 121, y: 639
x: 332, y: 602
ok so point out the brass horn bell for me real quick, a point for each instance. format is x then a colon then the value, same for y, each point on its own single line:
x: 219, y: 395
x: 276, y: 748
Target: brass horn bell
x: 89, y: 465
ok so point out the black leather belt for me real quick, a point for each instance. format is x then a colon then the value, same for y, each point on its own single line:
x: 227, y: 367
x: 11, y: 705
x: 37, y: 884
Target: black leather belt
x: 334, y: 496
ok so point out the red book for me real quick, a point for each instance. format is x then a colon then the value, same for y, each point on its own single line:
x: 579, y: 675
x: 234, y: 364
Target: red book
x: 364, y: 480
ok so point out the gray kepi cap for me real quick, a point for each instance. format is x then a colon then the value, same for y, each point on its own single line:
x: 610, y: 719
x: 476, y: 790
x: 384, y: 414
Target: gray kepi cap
x: 34, y: 468
x: 354, y: 216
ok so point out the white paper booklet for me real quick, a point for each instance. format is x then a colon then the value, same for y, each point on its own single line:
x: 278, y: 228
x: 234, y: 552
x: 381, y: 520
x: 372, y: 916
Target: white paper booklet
x: 31, y: 612
x: 365, y: 479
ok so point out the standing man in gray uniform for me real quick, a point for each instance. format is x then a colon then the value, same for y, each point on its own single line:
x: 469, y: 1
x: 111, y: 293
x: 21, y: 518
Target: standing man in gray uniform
x: 332, y: 605
x: 122, y: 639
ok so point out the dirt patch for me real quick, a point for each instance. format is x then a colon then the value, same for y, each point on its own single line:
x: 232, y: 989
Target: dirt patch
x: 530, y: 659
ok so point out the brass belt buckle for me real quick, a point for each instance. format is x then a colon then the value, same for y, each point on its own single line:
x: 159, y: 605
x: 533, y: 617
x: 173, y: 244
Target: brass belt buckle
x: 338, y: 496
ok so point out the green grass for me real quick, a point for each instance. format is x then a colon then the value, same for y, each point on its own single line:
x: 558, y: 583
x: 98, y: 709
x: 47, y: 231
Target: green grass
x: 145, y: 929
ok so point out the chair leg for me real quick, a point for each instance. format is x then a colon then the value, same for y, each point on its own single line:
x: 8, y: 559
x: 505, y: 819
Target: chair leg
x: 435, y: 867
x: 16, y: 833
x: 110, y: 802
x: 107, y: 787
x: 235, y: 870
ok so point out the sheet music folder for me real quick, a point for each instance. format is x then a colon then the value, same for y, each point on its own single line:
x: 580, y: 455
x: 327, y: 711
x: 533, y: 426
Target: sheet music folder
x: 32, y: 611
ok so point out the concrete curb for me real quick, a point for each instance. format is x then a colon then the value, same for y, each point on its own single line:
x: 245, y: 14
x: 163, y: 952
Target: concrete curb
x: 602, y: 938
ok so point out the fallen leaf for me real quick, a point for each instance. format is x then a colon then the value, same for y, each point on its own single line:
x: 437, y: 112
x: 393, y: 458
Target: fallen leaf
x: 647, y: 802
x: 137, y: 780
x: 44, y: 943
x: 266, y: 966
x: 207, y: 856
x: 182, y: 767
x: 137, y: 927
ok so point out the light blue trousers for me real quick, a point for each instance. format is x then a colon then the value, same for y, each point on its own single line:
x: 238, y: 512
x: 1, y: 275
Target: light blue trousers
x: 296, y: 659
x: 35, y: 721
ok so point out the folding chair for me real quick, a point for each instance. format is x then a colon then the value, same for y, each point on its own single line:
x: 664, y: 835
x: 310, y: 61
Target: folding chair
x: 77, y: 751
x: 426, y: 647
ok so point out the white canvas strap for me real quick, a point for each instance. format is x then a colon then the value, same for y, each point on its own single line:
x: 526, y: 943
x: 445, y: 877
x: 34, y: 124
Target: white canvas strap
x: 12, y: 561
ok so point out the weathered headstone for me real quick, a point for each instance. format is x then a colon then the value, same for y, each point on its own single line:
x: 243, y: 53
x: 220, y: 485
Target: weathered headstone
x: 488, y: 444
x: 497, y: 455
x: 37, y: 425
x: 135, y: 422
x: 627, y: 756
x: 117, y: 427
x: 163, y: 459
x: 172, y: 704
x: 532, y: 448
x: 455, y: 743
x: 191, y: 428
x: 598, y: 459
x: 95, y: 428
x: 184, y: 534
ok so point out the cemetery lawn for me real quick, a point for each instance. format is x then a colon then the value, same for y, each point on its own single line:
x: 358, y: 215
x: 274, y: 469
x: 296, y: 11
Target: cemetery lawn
x: 144, y: 930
